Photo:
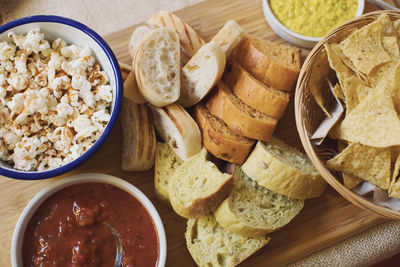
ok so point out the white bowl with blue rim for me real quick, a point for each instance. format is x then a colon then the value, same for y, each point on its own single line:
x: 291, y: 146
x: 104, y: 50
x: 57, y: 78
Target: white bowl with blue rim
x: 83, y: 178
x: 76, y: 33
x: 291, y: 36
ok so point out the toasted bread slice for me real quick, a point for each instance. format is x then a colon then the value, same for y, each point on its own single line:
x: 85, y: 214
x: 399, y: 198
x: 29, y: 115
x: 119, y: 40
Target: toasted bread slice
x: 229, y: 37
x: 275, y: 65
x: 201, y: 73
x: 253, y: 210
x: 211, y: 245
x: 178, y: 129
x: 138, y: 137
x: 283, y: 169
x: 137, y: 36
x: 219, y: 139
x: 241, y: 118
x: 131, y: 90
x: 197, y: 187
x: 257, y: 95
x: 157, y: 67
x: 188, y: 37
x: 165, y: 165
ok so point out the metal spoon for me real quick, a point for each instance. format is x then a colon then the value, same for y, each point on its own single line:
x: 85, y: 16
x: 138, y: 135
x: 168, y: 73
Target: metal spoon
x: 117, y: 238
x: 383, y: 5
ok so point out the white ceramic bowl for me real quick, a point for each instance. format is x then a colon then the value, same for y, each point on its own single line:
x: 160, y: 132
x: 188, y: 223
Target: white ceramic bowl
x: 76, y: 33
x: 290, y: 36
x: 36, y: 202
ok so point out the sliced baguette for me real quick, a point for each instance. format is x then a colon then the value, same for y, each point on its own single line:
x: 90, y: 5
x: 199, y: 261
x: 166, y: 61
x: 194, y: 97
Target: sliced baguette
x: 275, y: 65
x: 252, y: 210
x: 137, y: 36
x: 257, y: 95
x: 229, y: 37
x: 197, y: 187
x: 178, y: 129
x: 284, y: 169
x: 157, y: 67
x: 165, y: 164
x: 201, y: 73
x: 219, y: 139
x: 131, y: 89
x: 188, y: 37
x: 138, y: 137
x: 241, y: 118
x: 211, y: 245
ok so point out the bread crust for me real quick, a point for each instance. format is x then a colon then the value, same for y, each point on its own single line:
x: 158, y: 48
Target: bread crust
x: 254, y: 93
x: 221, y: 104
x: 263, y: 67
x: 188, y: 37
x: 279, y: 177
x: 177, y: 128
x: 138, y: 137
x: 222, y: 145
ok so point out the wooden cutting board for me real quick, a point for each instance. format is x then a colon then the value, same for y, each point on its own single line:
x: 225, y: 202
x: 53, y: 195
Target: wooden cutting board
x: 323, y: 221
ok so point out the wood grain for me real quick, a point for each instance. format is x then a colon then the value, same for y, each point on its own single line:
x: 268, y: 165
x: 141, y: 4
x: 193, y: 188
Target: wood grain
x: 323, y: 222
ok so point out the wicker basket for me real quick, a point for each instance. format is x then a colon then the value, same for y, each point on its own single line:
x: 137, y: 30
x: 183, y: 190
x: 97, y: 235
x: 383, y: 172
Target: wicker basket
x: 309, y: 115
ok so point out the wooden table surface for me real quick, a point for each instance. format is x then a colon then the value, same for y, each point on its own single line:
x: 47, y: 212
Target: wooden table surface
x: 323, y: 221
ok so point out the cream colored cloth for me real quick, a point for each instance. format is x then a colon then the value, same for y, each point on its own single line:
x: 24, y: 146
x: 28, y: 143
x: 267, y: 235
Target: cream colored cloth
x: 107, y: 16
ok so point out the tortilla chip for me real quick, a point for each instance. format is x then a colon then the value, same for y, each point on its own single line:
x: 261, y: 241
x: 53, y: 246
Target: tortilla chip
x: 364, y: 47
x: 373, y: 122
x: 373, y: 164
x: 336, y: 63
x: 316, y: 83
x: 351, y: 92
x: 348, y: 62
x: 390, y: 45
x: 394, y: 188
x: 349, y: 181
x: 338, y: 92
x: 396, y: 25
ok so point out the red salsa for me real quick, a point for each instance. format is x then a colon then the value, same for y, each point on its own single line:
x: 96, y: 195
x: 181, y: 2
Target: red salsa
x: 68, y: 229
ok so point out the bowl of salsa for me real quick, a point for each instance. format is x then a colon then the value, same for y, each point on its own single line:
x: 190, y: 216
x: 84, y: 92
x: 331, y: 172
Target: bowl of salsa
x: 305, y: 22
x: 65, y: 224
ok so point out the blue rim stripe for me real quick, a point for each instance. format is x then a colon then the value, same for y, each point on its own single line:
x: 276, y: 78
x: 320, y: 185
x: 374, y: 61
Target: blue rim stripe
x: 36, y: 175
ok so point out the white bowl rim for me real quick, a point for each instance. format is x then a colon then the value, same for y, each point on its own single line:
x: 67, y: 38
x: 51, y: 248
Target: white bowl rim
x: 45, y: 193
x: 359, y: 12
x: 36, y: 175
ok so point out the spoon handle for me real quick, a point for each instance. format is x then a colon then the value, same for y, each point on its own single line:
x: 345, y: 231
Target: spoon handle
x: 383, y: 5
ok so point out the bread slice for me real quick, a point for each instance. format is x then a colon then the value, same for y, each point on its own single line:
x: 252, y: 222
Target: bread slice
x: 219, y: 139
x: 157, y: 67
x: 165, y: 164
x: 197, y: 187
x: 241, y: 118
x: 275, y: 65
x: 131, y: 89
x: 211, y: 245
x: 253, y: 210
x: 188, y: 37
x: 178, y: 129
x: 201, y: 73
x: 137, y: 36
x: 257, y: 95
x: 229, y: 37
x: 138, y: 137
x: 283, y: 169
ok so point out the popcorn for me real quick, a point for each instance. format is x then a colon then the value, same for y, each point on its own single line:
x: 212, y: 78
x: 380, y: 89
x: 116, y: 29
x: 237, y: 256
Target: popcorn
x: 54, y: 101
x: 7, y: 51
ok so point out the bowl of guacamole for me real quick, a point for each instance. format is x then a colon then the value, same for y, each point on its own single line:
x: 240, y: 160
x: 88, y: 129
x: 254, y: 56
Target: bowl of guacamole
x: 305, y: 22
